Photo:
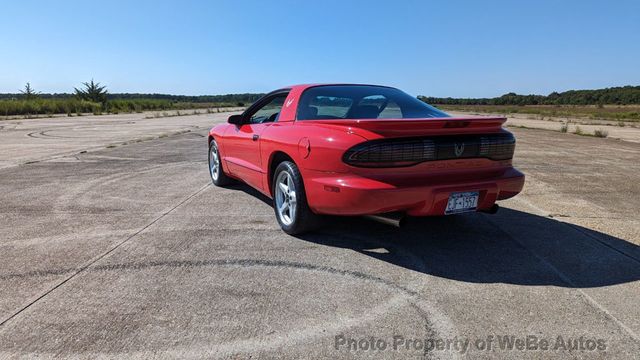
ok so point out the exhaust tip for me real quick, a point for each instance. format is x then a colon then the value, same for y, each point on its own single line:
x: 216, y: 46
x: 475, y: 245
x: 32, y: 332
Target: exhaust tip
x: 394, y: 219
x: 492, y: 210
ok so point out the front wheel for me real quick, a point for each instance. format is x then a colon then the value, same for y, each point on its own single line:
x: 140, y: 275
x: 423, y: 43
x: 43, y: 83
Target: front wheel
x: 290, y: 200
x: 218, y: 177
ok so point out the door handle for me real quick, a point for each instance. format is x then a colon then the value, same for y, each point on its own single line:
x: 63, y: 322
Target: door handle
x: 255, y: 137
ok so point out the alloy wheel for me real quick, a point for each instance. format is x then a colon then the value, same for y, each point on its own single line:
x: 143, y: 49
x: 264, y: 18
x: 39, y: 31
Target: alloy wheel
x: 286, y: 202
x: 214, y: 162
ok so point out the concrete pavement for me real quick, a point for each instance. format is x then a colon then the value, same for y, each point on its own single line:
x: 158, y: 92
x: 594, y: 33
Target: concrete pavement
x: 127, y: 250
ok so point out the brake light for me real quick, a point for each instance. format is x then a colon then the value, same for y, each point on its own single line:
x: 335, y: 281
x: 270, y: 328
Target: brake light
x: 411, y: 151
x: 456, y: 124
x: 390, y: 153
x: 497, y: 147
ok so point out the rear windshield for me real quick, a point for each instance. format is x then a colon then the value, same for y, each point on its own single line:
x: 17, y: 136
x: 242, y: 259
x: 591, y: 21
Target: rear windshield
x: 362, y: 102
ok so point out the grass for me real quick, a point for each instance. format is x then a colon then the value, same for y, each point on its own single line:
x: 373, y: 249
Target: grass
x: 600, y: 133
x: 71, y: 106
x: 521, y: 127
x: 47, y: 107
x: 619, y: 113
x: 164, y: 114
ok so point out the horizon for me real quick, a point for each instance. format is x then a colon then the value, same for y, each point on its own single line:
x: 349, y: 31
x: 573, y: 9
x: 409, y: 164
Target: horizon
x: 18, y: 93
x: 461, y: 50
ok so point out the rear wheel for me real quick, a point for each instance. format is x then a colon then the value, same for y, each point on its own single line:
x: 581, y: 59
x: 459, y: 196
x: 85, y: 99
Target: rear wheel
x: 218, y: 177
x: 290, y: 200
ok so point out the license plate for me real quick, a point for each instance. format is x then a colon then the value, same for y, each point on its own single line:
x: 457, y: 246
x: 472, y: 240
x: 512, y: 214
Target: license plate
x: 460, y: 202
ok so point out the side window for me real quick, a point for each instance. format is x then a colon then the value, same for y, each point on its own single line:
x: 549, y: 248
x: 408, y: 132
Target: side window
x: 268, y: 112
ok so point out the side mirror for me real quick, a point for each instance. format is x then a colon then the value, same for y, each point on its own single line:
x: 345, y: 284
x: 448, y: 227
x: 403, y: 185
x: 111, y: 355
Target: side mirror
x: 235, y: 119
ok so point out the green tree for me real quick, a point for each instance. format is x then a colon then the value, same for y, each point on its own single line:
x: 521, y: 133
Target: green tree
x: 29, y: 93
x: 92, y: 91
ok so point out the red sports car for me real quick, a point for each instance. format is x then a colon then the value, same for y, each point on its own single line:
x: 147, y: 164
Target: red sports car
x: 363, y: 150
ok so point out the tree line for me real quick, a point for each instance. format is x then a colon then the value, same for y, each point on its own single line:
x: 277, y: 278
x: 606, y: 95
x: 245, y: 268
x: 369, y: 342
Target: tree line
x: 29, y: 94
x: 92, y: 97
x: 624, y: 95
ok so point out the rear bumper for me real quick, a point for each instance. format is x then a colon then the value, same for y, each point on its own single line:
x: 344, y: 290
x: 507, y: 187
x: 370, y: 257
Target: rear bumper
x: 342, y: 194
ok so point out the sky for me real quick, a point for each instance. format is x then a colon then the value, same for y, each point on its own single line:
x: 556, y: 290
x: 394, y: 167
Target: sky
x: 436, y: 48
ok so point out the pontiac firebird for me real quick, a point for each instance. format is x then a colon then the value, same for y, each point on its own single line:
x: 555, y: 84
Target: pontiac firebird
x: 338, y: 149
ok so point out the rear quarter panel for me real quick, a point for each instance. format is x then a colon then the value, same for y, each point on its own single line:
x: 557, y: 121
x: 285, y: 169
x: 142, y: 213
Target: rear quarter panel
x: 311, y: 147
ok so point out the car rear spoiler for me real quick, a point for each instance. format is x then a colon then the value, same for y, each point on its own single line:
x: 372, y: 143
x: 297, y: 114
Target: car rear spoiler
x: 418, y: 127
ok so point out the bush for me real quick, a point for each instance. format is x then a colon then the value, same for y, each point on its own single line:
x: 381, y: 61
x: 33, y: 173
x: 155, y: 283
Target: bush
x: 601, y: 133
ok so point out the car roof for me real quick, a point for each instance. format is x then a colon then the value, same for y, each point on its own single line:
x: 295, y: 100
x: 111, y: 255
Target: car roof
x: 302, y: 87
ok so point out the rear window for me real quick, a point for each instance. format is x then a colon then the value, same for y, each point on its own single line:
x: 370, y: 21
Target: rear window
x: 362, y: 102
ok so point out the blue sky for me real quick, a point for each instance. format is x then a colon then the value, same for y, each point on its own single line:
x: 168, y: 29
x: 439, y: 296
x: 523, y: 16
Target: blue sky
x: 439, y: 48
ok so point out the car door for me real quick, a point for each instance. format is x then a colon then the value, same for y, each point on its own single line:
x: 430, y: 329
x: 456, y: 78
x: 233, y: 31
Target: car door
x: 242, y: 146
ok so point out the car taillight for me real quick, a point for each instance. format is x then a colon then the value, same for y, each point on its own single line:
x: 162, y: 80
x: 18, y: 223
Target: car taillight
x: 411, y: 151
x: 497, y: 147
x: 391, y: 153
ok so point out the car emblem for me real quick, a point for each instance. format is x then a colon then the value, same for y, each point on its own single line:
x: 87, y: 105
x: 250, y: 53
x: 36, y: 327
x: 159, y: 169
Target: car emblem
x: 458, y: 149
x: 289, y: 102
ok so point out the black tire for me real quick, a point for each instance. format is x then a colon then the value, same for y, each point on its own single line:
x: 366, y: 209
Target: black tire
x: 304, y: 219
x: 218, y: 176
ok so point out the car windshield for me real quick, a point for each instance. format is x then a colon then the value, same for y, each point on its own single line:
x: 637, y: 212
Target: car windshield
x: 362, y: 102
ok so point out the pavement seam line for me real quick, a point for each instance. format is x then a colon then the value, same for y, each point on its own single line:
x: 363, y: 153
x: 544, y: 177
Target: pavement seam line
x: 102, y: 256
x: 576, y: 228
x: 566, y: 279
x: 594, y: 237
x: 89, y: 149
x: 570, y: 282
